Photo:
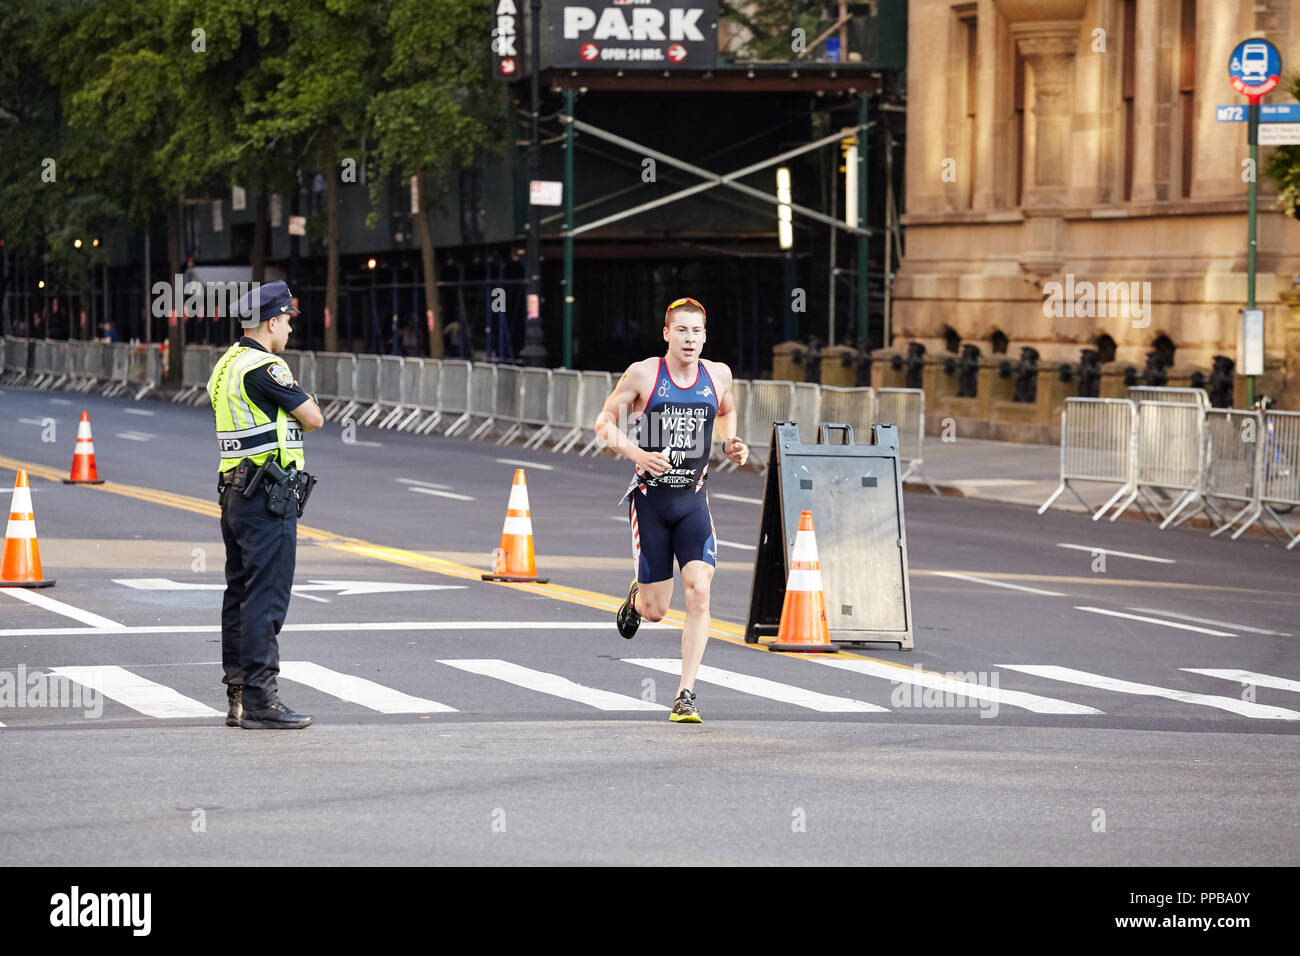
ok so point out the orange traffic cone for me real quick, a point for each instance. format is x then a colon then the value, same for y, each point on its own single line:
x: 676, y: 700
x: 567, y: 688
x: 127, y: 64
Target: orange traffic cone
x: 803, y: 614
x: 21, y: 566
x: 84, y: 471
x: 514, y: 561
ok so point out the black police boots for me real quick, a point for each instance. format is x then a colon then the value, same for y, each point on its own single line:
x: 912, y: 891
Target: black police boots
x: 274, y: 716
x: 234, y: 704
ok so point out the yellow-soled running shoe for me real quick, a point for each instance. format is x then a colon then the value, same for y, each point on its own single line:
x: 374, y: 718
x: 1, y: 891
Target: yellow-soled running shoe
x: 684, y: 711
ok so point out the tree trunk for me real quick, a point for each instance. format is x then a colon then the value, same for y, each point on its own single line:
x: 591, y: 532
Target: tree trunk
x: 174, y: 345
x: 332, y: 244
x: 257, y: 255
x: 433, y: 322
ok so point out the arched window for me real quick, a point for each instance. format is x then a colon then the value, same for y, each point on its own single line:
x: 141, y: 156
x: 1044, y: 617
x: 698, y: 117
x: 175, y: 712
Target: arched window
x: 1105, y: 349
x: 1163, y: 346
x: 998, y: 342
x: 952, y: 341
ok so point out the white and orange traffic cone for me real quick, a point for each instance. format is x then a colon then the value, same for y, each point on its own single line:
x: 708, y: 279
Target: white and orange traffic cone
x: 514, y: 560
x: 21, y: 565
x: 803, y: 613
x: 84, y: 471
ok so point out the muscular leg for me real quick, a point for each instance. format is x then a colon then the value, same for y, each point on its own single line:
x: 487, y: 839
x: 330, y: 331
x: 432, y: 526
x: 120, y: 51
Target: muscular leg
x: 697, y: 578
x: 652, y: 599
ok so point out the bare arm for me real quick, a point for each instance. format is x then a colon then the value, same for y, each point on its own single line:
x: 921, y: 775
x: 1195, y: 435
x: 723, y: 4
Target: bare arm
x: 309, y: 415
x: 620, y: 402
x: 725, y: 425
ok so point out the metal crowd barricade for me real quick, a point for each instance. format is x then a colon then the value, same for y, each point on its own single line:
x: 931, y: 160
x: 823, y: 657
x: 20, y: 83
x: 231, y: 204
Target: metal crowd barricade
x: 144, y: 368
x: 1281, y: 469
x: 905, y: 407
x: 16, y: 351
x: 367, y: 387
x: 561, y: 409
x: 42, y: 363
x: 740, y: 398
x: 92, y: 364
x: 768, y: 403
x: 307, y: 371
x: 1169, y: 393
x: 595, y: 389
x: 848, y: 406
x: 210, y: 355
x: 292, y: 358
x: 408, y: 395
x: 454, y: 392
x: 388, y: 387
x: 805, y: 408
x: 1171, y: 457
x: 534, y: 399
x: 430, y: 404
x: 61, y: 364
x: 345, y: 382
x: 76, y: 362
x: 327, y: 381
x: 120, y: 358
x: 509, y: 400
x: 1098, y: 443
x: 483, y: 397
x: 1235, y: 447
x: 192, y: 378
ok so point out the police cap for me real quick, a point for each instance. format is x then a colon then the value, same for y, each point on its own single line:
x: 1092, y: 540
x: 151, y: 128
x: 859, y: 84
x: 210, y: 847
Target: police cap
x: 268, y: 301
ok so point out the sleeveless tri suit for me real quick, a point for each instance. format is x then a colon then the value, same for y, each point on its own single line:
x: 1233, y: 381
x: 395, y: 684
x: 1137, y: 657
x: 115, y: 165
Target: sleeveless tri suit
x: 670, y: 514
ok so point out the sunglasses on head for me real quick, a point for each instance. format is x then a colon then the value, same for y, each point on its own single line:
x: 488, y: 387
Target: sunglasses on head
x: 680, y: 302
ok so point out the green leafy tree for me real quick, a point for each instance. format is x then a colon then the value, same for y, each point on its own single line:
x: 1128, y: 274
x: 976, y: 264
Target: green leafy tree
x: 771, y: 24
x: 1283, y: 168
x: 438, y: 111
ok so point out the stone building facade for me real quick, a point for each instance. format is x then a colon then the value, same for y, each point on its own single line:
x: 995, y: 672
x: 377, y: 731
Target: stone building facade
x: 1057, y: 149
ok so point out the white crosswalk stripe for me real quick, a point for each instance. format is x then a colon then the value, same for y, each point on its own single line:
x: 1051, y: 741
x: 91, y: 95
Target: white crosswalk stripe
x: 1233, y: 705
x: 762, y: 687
x: 962, y: 688
x: 358, y: 690
x: 1247, y: 677
x: 138, y: 693
x: 553, y: 684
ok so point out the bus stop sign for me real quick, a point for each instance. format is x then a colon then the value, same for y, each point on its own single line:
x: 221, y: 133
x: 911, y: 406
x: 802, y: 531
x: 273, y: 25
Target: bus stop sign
x: 1255, y: 68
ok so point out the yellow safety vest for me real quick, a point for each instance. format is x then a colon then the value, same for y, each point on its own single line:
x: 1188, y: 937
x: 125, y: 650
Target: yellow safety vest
x: 243, y: 429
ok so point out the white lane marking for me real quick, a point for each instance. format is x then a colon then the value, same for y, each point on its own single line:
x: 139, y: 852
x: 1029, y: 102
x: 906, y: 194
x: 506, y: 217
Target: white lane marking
x: 523, y: 627
x: 1231, y: 704
x: 345, y: 588
x: 737, y: 544
x: 1206, y: 620
x: 365, y: 444
x: 136, y: 692
x: 961, y: 688
x: 312, y: 597
x: 761, y: 687
x: 1247, y: 677
x: 426, y: 484
x: 748, y: 501
x: 60, y: 401
x: 58, y: 607
x: 441, y: 494
x: 997, y: 584
x: 1118, y: 554
x: 138, y: 411
x: 1154, y: 620
x: 552, y: 684
x: 136, y: 436
x: 525, y: 464
x: 358, y: 690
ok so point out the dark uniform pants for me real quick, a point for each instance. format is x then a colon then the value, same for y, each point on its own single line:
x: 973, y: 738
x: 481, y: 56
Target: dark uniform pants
x: 260, y: 552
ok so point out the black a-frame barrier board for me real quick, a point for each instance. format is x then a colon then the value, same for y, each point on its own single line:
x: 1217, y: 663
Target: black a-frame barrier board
x: 856, y: 498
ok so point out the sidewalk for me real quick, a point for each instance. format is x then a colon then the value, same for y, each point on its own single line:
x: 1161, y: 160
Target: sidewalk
x: 997, y: 471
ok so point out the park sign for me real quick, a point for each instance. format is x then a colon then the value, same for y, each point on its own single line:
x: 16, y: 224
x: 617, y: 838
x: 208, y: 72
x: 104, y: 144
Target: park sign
x: 632, y: 34
x: 509, y: 38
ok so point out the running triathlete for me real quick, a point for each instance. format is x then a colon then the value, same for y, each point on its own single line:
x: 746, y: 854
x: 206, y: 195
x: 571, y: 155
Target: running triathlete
x: 680, y: 399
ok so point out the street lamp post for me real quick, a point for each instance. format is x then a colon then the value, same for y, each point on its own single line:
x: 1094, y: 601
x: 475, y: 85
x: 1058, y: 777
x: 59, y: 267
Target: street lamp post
x: 534, y: 350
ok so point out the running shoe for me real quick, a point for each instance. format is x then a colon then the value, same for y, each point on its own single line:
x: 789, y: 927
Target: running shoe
x: 684, y: 711
x: 627, y: 619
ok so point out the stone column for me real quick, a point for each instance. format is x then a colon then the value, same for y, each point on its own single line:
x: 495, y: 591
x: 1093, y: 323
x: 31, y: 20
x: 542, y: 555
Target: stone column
x: 1049, y: 50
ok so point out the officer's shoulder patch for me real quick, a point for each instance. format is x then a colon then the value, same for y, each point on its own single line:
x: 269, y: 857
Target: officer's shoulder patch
x: 281, y: 374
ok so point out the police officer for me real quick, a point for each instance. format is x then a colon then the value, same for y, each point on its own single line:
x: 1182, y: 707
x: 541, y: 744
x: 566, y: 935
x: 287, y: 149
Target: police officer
x: 261, y: 412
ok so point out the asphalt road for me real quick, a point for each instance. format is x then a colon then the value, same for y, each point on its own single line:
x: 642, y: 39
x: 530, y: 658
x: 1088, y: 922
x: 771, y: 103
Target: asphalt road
x: 1133, y: 707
